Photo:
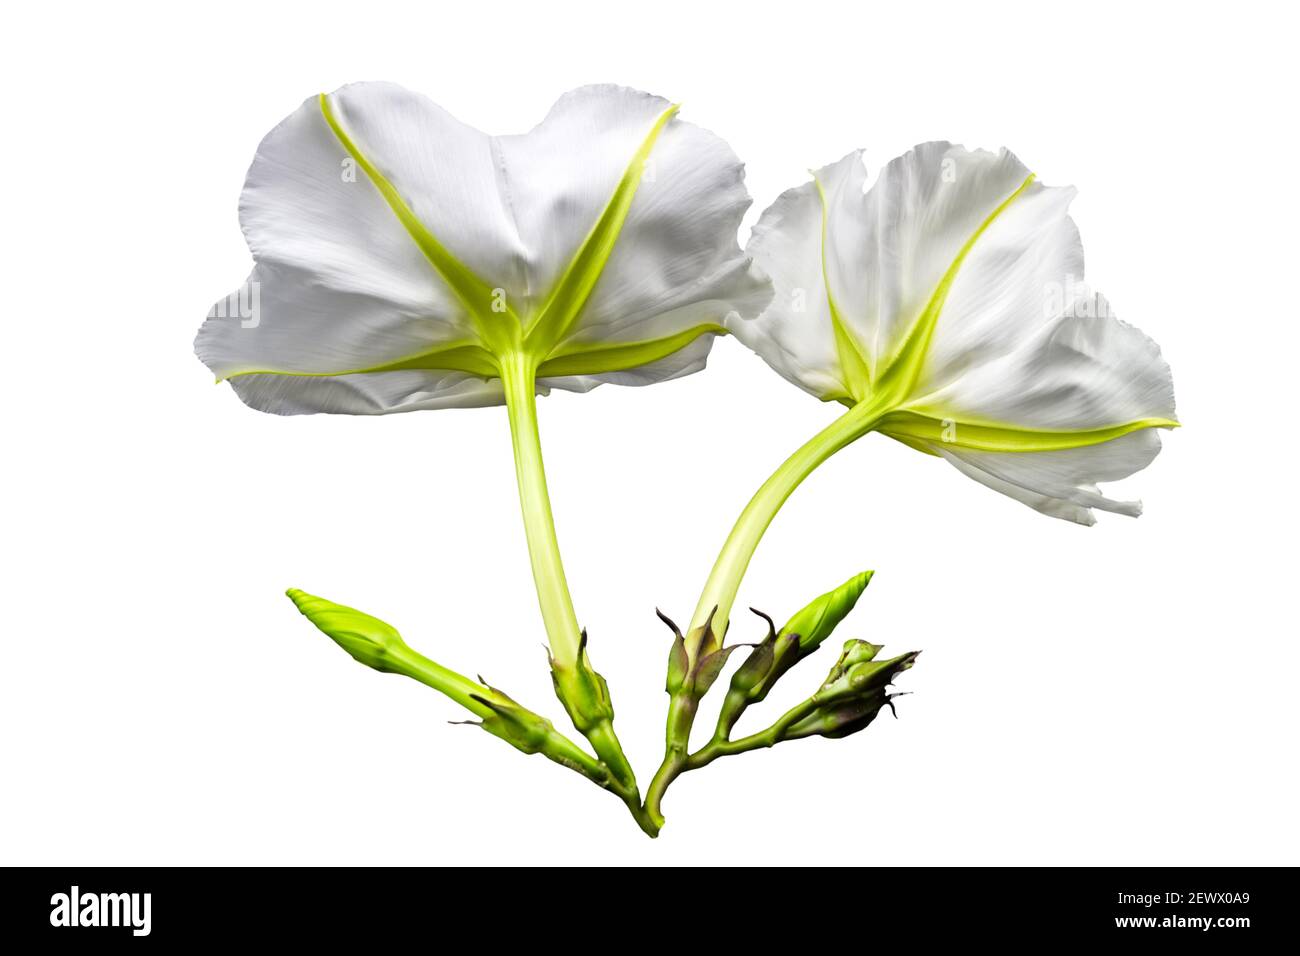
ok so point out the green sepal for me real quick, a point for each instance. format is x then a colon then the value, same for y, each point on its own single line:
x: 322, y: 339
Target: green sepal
x: 695, y: 681
x: 582, y: 691
x: 679, y: 665
x: 751, y: 675
x: 707, y: 670
x: 757, y: 665
x: 679, y: 662
x: 517, y: 726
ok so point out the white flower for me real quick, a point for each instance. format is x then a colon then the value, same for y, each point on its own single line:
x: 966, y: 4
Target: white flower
x: 948, y: 304
x: 402, y: 256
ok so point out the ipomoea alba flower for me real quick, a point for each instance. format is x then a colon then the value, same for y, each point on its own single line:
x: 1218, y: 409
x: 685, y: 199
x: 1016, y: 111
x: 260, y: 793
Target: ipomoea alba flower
x: 402, y: 256
x: 949, y: 299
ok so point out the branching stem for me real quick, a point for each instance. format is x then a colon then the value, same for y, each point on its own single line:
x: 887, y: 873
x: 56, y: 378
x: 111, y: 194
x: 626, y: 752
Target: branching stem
x: 723, y: 584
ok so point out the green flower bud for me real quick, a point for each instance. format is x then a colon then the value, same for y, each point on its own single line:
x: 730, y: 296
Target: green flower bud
x: 369, y: 640
x: 802, y: 634
x: 853, y: 693
x: 816, y: 621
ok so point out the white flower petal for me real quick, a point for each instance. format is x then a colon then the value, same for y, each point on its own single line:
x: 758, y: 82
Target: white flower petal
x: 339, y: 284
x: 877, y: 260
x: 386, y: 231
x: 794, y: 334
x: 1086, y: 370
x: 289, y: 318
x: 1053, y: 507
x: 451, y: 175
x: 303, y: 207
x: 1062, y: 484
x: 923, y: 209
x: 1022, y: 273
x: 677, y: 263
x: 683, y: 362
x: 368, y: 393
x: 958, y: 280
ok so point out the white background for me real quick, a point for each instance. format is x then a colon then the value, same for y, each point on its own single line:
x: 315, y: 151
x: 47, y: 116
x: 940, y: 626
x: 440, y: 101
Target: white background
x: 1116, y: 695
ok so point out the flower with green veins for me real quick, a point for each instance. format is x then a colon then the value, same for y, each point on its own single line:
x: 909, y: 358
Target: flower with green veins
x: 945, y: 308
x: 406, y: 261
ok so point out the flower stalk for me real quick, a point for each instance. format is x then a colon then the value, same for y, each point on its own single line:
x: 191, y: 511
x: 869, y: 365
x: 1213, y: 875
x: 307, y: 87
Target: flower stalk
x: 729, y: 569
x: 579, y: 687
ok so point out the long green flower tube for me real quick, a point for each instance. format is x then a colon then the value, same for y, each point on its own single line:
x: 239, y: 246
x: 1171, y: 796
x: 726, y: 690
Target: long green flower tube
x: 518, y: 378
x: 579, y: 687
x: 719, y: 593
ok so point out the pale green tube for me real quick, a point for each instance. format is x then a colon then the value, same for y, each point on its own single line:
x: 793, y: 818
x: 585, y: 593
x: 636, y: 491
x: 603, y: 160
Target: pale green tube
x: 518, y: 377
x: 724, y: 580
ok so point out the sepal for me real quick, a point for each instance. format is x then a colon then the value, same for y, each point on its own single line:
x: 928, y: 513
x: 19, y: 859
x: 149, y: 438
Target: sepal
x: 694, y: 680
x: 582, y: 691
x: 516, y: 725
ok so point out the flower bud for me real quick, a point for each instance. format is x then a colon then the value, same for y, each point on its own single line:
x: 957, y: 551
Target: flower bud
x: 815, y: 622
x: 369, y: 640
x: 853, y: 693
x: 802, y: 635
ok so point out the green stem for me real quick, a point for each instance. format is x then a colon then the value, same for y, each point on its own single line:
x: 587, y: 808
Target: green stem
x: 467, y: 693
x: 556, y: 747
x: 721, y: 747
x: 568, y: 663
x: 720, y: 590
x: 472, y: 696
x: 518, y: 377
x: 724, y: 580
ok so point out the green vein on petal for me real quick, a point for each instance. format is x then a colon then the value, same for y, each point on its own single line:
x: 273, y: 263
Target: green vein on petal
x: 459, y: 357
x: 852, y: 356
x: 475, y: 294
x: 556, y: 317
x: 904, y: 369
x: 617, y: 357
x: 912, y: 427
x: 575, y: 285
